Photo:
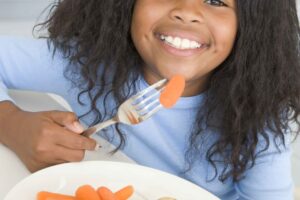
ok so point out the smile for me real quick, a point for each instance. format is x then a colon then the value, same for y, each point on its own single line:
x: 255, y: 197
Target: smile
x: 180, y: 43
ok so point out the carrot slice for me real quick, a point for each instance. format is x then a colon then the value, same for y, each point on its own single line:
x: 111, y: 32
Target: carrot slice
x: 172, y: 91
x: 106, y: 194
x: 124, y: 193
x: 43, y: 195
x: 87, y: 192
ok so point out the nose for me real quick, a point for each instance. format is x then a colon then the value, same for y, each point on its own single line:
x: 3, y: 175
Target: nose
x: 187, y: 12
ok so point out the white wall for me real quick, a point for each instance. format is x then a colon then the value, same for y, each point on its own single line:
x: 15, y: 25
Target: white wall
x: 17, y: 17
x: 298, y: 7
x: 22, y: 9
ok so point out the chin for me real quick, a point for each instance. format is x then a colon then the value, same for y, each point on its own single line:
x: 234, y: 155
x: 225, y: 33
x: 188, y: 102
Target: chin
x: 168, y: 74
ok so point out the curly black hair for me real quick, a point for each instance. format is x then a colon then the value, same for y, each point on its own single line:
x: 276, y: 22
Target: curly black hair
x: 255, y: 90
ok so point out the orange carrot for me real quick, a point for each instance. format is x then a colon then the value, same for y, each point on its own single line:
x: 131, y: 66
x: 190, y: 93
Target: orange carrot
x: 106, y: 194
x: 53, y: 196
x: 87, y: 192
x: 172, y: 91
x: 124, y: 193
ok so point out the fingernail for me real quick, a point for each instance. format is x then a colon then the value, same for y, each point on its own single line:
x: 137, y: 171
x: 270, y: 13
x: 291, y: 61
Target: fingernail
x: 97, y: 147
x: 78, y: 127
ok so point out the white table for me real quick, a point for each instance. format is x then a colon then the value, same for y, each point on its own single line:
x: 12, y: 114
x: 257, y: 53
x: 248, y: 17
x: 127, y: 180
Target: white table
x: 12, y: 170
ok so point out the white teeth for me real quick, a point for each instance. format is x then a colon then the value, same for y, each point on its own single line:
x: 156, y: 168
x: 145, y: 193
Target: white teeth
x: 185, y: 43
x: 177, y: 42
x: 169, y: 39
x: 195, y: 44
x: 180, y: 43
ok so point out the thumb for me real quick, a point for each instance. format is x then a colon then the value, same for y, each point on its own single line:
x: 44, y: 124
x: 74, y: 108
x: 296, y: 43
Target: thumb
x: 68, y: 120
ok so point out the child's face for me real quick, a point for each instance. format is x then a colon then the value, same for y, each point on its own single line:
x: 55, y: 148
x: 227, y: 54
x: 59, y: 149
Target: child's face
x: 205, y: 31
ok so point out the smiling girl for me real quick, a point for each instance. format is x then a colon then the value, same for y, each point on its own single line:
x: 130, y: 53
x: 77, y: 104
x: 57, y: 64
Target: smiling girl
x: 229, y: 133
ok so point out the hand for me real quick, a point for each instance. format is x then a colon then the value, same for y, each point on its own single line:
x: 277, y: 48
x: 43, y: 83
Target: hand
x: 42, y: 139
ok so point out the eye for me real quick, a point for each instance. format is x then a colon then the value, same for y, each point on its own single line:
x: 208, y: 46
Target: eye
x: 218, y: 3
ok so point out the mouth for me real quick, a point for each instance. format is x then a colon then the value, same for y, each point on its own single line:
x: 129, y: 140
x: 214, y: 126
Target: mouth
x: 180, y: 43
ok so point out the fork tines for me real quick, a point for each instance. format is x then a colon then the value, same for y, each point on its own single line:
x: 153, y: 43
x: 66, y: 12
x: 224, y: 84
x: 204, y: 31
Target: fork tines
x: 147, y: 100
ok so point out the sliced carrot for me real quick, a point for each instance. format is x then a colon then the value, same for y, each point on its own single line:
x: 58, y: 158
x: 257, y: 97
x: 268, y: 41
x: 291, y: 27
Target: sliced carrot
x: 106, y: 194
x: 124, y: 193
x: 172, y: 91
x: 87, y: 192
x: 53, y: 196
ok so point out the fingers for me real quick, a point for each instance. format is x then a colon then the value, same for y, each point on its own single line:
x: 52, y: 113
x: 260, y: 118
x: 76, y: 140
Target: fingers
x: 58, y: 154
x: 69, y: 155
x: 68, y: 139
x: 67, y: 119
x: 34, y: 164
x: 48, y: 138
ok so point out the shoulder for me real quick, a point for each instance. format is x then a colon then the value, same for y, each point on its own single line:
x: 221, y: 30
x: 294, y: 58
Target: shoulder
x: 9, y: 41
x: 31, y: 50
x: 10, y: 45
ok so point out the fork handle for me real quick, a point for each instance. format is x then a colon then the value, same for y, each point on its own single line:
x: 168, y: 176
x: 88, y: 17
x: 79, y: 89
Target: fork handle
x: 88, y: 132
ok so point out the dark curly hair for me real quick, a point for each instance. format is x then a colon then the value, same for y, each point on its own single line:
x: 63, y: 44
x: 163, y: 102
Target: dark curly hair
x: 255, y: 90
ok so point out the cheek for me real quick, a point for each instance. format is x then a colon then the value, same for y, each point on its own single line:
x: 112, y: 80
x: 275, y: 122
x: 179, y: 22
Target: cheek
x: 141, y: 27
x: 144, y: 18
x: 135, y: 25
x: 224, y: 34
x: 139, y: 38
x: 146, y: 15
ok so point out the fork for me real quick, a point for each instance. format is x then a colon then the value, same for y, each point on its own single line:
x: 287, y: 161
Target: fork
x: 134, y: 110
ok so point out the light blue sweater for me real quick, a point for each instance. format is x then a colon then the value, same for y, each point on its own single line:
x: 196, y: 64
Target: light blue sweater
x: 159, y: 142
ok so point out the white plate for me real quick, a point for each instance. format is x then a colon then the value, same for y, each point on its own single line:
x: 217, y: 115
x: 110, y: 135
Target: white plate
x: 149, y: 184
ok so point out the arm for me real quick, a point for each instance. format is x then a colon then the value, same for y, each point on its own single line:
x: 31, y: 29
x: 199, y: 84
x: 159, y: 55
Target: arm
x: 28, y: 64
x: 39, y: 139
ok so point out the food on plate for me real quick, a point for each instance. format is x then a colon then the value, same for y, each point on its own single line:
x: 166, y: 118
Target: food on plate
x: 125, y: 192
x: 53, y: 196
x: 172, y: 91
x: 106, y: 194
x: 87, y: 192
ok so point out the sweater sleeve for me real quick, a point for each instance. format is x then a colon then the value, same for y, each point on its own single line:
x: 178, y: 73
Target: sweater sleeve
x: 29, y: 64
x: 3, y: 92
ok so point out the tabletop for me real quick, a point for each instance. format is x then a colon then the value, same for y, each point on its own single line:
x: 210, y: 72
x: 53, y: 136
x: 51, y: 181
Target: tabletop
x: 12, y: 170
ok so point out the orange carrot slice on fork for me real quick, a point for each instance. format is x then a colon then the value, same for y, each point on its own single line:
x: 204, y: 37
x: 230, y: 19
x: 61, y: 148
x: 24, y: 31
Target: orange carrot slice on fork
x: 172, y: 91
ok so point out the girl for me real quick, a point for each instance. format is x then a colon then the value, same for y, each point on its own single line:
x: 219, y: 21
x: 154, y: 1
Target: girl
x: 229, y: 133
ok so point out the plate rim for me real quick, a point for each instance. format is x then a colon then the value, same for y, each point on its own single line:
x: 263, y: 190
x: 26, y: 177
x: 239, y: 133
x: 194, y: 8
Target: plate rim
x: 105, y: 162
